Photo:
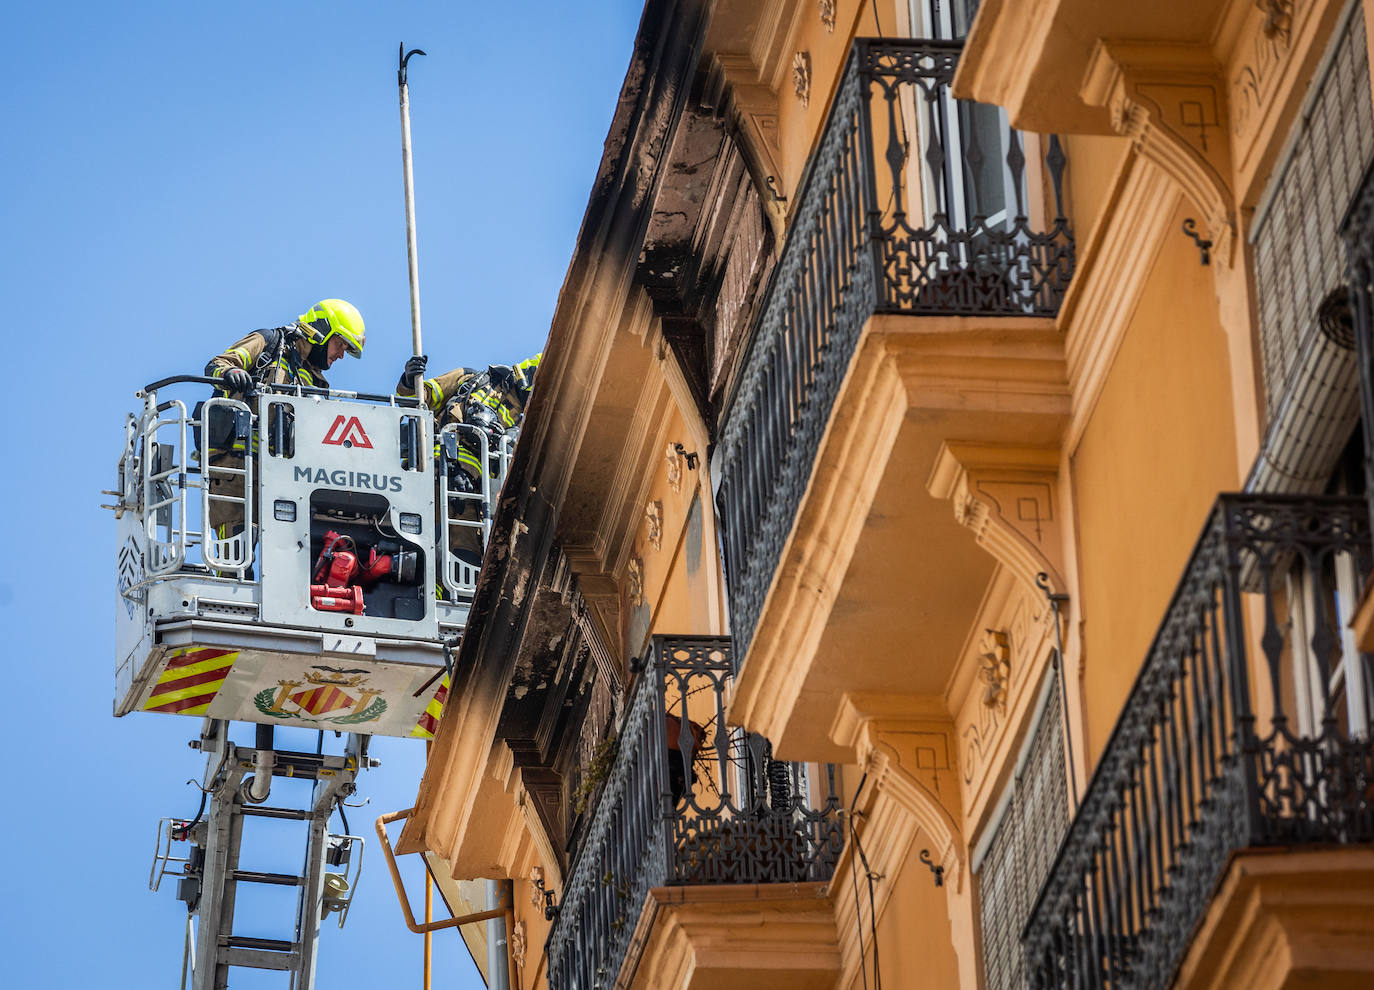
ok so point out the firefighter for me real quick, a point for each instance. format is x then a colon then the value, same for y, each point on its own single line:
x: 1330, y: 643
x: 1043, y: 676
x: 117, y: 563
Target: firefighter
x: 493, y: 400
x: 298, y: 353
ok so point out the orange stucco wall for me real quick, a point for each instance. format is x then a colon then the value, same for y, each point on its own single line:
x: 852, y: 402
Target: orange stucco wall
x: 1093, y: 164
x: 1158, y: 447
x: 799, y: 126
x: 915, y: 948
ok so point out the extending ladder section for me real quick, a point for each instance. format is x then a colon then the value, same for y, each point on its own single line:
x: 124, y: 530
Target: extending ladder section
x: 211, y: 875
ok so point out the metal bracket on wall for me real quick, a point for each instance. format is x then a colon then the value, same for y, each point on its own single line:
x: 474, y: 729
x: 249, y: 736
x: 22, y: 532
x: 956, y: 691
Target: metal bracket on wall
x: 939, y: 871
x: 1204, y: 246
x: 550, y: 910
x: 1056, y: 601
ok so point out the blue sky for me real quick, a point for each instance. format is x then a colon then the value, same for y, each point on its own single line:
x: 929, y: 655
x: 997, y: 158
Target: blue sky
x: 173, y: 176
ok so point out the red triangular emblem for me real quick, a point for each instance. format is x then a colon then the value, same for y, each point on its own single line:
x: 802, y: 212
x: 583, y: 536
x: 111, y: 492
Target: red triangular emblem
x: 347, y: 432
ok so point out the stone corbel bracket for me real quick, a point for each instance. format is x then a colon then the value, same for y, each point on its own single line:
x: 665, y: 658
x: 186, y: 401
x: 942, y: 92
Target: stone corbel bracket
x: 1170, y: 100
x: 1008, y: 497
x: 906, y: 749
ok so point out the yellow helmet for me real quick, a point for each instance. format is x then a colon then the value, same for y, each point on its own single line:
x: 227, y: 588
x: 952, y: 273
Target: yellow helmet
x: 335, y: 316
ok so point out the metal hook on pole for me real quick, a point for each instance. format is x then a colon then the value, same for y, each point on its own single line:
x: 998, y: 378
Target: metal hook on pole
x: 403, y: 57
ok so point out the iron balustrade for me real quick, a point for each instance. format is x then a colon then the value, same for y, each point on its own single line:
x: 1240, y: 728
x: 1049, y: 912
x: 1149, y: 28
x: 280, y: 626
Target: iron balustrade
x: 1213, y: 753
x: 906, y: 207
x: 687, y: 800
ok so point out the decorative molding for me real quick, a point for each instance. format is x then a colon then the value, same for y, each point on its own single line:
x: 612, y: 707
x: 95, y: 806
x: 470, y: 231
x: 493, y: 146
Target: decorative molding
x: 801, y: 78
x: 1007, y: 496
x: 634, y: 582
x: 536, y: 887
x: 827, y: 12
x: 540, y: 800
x: 1278, y: 19
x: 674, y: 467
x: 1253, y: 82
x: 519, y: 944
x: 628, y: 486
x: 593, y: 601
x: 1170, y: 100
x: 995, y: 669
x: 653, y: 523
x: 1008, y: 643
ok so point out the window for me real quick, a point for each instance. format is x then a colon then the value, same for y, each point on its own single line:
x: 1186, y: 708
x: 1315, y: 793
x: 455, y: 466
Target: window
x: 1322, y: 601
x: 943, y: 18
x: 970, y: 182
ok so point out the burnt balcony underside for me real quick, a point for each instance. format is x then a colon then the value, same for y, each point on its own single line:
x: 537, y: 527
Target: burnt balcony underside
x: 687, y: 801
x: 913, y: 203
x: 1214, y: 753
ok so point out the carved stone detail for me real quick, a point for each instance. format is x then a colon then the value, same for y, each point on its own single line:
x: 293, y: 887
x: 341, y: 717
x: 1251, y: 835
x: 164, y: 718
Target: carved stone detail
x: 827, y: 9
x: 995, y: 669
x: 519, y: 944
x: 977, y: 740
x: 1006, y: 654
x: 674, y: 462
x: 1253, y: 82
x: 653, y: 522
x: 543, y: 793
x: 1170, y: 101
x: 634, y: 582
x: 801, y: 77
x: 1278, y: 19
x: 536, y: 882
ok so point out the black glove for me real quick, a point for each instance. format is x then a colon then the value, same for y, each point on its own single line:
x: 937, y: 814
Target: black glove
x: 415, y: 370
x: 501, y: 376
x: 237, y: 381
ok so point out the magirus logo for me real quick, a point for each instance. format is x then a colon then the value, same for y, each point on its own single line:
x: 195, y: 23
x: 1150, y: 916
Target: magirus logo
x: 346, y: 431
x: 349, y: 479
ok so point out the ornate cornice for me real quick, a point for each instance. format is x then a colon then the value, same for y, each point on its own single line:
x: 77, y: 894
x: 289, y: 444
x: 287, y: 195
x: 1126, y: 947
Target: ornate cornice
x: 1170, y: 100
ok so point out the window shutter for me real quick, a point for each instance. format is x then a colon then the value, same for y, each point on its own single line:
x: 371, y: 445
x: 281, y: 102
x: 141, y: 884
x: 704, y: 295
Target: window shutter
x: 1024, y: 844
x: 1298, y: 257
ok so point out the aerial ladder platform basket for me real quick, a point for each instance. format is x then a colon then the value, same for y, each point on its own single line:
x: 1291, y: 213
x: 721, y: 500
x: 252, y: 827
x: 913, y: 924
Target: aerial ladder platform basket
x: 332, y: 597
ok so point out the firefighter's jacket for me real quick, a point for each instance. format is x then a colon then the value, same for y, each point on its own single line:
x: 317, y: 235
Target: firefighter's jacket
x: 260, y: 356
x: 276, y: 357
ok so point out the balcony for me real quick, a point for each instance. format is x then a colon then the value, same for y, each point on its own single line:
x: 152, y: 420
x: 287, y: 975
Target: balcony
x: 1247, y: 728
x: 914, y: 205
x: 687, y: 801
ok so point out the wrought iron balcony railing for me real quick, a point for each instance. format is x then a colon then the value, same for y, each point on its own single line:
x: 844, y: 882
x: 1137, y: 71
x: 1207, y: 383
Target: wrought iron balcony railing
x: 1213, y: 753
x: 913, y: 203
x: 688, y: 800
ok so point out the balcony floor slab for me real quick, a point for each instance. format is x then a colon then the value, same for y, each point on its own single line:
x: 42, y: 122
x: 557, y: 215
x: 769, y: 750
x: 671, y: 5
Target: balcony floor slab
x: 1284, y: 919
x: 736, y: 937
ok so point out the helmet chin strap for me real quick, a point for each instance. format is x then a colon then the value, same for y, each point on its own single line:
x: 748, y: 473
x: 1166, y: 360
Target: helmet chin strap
x: 316, y: 355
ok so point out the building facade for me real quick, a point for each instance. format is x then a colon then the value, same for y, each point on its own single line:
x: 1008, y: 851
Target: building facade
x: 935, y: 551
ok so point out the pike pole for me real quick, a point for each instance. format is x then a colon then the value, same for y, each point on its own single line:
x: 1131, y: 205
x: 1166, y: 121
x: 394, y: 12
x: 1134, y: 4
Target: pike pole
x: 404, y: 57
